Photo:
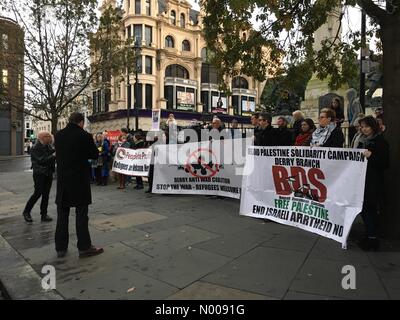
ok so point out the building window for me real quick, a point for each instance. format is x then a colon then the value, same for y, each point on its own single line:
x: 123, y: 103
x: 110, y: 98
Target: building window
x: 4, y: 78
x: 137, y: 7
x: 185, y: 45
x: 4, y: 40
x: 139, y: 64
x: 235, y: 104
x: 182, y: 20
x: 169, y: 42
x: 149, y: 96
x: 149, y: 65
x: 27, y: 125
x: 129, y: 32
x: 169, y: 96
x: 240, y: 83
x: 138, y: 32
x: 148, y: 7
x: 173, y: 17
x: 244, y: 36
x: 208, y: 73
x: 176, y: 71
x: 148, y: 35
x: 205, y: 101
x: 139, y: 96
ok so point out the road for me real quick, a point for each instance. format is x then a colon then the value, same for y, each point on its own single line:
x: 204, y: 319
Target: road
x: 15, y: 164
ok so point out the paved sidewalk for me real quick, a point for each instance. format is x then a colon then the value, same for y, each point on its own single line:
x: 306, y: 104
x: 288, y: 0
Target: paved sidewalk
x: 182, y: 247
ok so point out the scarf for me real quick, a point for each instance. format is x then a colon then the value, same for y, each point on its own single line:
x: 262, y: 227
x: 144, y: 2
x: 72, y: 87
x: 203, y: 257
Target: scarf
x: 322, y: 134
x: 303, y: 139
x: 364, y: 142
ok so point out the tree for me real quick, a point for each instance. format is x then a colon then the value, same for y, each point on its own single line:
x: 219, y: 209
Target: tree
x: 285, y: 39
x: 59, y: 41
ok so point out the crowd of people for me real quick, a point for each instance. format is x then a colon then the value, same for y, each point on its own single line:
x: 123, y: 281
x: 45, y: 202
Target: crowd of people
x: 78, y: 152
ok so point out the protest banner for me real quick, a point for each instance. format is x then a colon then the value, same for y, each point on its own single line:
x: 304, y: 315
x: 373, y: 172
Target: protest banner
x: 205, y: 168
x: 132, y: 162
x: 316, y: 189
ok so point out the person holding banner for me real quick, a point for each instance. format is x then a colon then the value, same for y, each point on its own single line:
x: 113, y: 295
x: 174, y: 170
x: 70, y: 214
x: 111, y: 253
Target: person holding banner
x: 328, y: 134
x: 378, y: 161
x: 123, y: 143
x: 139, y: 143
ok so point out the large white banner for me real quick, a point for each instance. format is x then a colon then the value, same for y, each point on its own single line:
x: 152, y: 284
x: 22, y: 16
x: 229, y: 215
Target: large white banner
x: 205, y: 168
x: 132, y: 162
x: 320, y: 190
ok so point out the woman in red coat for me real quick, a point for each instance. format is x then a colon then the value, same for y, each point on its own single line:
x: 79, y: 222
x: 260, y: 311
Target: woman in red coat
x: 304, y: 137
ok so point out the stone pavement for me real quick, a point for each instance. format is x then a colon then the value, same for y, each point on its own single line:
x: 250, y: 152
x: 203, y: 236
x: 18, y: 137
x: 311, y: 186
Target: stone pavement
x: 181, y: 247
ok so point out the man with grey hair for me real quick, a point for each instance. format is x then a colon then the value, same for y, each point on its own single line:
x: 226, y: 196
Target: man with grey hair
x: 43, y: 165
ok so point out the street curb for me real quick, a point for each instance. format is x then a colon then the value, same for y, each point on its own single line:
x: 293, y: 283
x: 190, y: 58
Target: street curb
x: 5, y: 158
x: 18, y: 279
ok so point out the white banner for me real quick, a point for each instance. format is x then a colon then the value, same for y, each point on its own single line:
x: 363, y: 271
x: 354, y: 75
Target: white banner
x: 155, y: 120
x: 320, y: 190
x: 200, y: 168
x: 132, y: 162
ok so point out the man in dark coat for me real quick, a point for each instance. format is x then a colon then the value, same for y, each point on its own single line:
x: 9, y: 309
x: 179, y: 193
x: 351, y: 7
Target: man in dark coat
x: 284, y: 136
x: 43, y: 165
x: 74, y: 148
x: 266, y: 136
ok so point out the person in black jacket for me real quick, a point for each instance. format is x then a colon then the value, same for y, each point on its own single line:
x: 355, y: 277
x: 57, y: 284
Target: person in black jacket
x: 266, y: 136
x: 43, y: 165
x: 284, y: 136
x: 139, y: 143
x: 74, y: 147
x: 378, y: 161
x: 328, y: 134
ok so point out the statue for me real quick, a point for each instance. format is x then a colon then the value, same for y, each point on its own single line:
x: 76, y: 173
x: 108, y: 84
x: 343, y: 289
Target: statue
x: 374, y: 80
x: 287, y: 103
x: 354, y: 109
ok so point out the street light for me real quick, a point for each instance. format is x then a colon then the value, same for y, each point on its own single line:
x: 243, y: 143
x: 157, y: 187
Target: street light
x: 138, y: 50
x: 128, y: 94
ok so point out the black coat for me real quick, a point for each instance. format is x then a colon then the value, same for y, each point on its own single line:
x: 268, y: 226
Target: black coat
x: 266, y: 137
x: 335, y: 140
x: 284, y: 137
x: 74, y: 148
x: 43, y: 160
x: 378, y: 162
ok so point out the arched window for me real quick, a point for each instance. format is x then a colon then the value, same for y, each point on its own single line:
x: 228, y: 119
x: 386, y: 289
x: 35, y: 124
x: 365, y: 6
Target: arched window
x: 185, y: 45
x: 240, y: 83
x: 169, y: 42
x: 173, y: 17
x: 176, y: 71
x: 182, y: 20
x: 244, y: 36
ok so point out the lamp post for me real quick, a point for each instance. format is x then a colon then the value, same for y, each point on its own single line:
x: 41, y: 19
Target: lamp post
x: 362, y: 59
x: 138, y: 50
x: 128, y: 96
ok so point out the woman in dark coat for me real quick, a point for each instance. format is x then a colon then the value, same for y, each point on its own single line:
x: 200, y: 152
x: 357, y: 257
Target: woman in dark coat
x: 328, y: 134
x: 378, y: 160
x: 337, y: 107
x: 304, y: 137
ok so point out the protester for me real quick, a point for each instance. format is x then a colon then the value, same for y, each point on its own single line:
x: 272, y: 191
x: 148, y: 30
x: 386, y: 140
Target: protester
x: 74, y: 147
x: 339, y: 112
x: 284, y: 136
x: 266, y: 135
x: 328, y: 134
x: 305, y: 136
x: 298, y: 118
x: 139, y: 143
x: 43, y: 165
x: 122, y: 143
x: 378, y: 161
x: 172, y: 129
x: 354, y: 142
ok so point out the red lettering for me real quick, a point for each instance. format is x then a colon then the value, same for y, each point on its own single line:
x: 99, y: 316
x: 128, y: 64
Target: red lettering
x: 280, y: 175
x: 300, y: 175
x: 315, y: 175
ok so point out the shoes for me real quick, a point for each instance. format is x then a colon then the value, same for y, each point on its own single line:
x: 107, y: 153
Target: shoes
x: 61, y: 254
x: 92, y: 251
x: 139, y: 187
x: 27, y: 217
x: 369, y: 244
x: 46, y: 218
x: 148, y: 191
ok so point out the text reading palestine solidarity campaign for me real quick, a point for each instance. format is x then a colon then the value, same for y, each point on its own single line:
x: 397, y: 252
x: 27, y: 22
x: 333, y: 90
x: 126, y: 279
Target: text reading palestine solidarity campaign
x: 310, y: 153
